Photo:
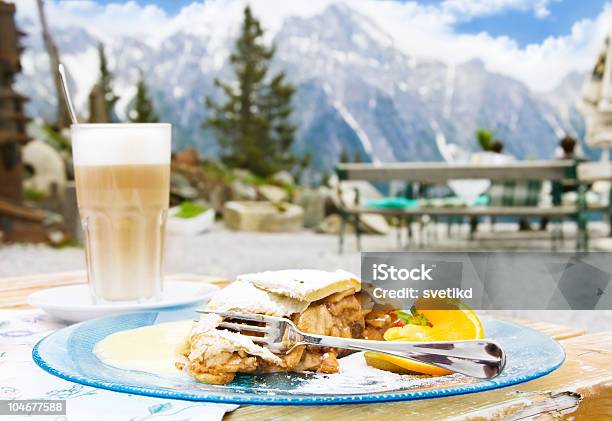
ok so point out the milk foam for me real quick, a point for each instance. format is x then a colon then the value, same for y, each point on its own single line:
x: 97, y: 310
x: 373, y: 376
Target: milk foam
x: 121, y: 144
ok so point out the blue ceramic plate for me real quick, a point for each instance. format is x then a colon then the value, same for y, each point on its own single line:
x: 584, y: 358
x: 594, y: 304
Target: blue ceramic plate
x: 68, y: 354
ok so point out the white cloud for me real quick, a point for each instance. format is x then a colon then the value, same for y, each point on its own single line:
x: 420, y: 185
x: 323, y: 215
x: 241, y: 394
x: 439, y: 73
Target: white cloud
x: 419, y: 30
x: 467, y: 9
x: 106, y: 22
x: 428, y: 32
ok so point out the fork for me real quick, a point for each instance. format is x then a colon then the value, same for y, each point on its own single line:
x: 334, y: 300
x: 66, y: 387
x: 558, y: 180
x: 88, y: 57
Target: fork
x: 482, y: 359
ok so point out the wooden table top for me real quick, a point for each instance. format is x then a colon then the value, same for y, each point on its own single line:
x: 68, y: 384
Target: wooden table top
x: 581, y: 389
x: 441, y: 172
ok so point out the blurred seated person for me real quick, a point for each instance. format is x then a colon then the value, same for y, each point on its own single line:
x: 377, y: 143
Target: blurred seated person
x: 497, y: 146
x: 567, y: 149
x: 498, y: 156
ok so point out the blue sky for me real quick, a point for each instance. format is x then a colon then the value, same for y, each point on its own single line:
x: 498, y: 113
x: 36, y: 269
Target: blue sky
x: 170, y: 6
x: 521, y: 25
x: 526, y: 28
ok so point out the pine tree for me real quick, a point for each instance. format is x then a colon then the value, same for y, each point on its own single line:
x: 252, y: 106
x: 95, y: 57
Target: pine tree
x: 142, y: 110
x: 253, y: 125
x: 344, y: 155
x: 325, y: 178
x: 106, y: 83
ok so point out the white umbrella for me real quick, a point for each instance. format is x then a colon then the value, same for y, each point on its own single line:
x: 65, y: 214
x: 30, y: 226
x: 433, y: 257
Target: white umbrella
x: 596, y: 105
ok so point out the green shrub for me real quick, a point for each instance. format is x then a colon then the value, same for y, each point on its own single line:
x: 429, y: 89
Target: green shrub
x: 190, y: 210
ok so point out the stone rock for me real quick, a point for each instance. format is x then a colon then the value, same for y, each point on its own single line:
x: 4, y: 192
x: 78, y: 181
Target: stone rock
x: 331, y: 225
x: 242, y: 174
x: 242, y: 191
x: 314, y: 202
x: 262, y: 216
x: 47, y: 166
x: 217, y: 196
x: 181, y: 187
x: 188, y: 156
x: 369, y: 224
x: 272, y: 193
x: 372, y: 223
x: 345, y: 192
x: 283, y: 177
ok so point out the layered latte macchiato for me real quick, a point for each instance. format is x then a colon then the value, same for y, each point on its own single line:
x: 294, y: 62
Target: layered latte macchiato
x: 122, y: 174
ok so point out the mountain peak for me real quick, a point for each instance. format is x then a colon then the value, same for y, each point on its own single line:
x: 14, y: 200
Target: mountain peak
x: 355, y: 90
x: 475, y: 64
x: 340, y: 27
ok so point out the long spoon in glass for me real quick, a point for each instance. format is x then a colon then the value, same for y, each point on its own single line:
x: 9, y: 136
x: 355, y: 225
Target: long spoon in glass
x: 66, y: 92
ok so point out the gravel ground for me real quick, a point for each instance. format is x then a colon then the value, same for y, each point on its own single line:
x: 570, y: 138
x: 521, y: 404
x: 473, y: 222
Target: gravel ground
x: 227, y: 254
x: 219, y: 252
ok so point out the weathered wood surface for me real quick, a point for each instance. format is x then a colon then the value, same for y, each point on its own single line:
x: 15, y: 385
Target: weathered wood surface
x: 594, y: 171
x: 581, y: 389
x: 436, y: 172
x: 20, y: 211
x: 475, y: 211
x: 14, y: 291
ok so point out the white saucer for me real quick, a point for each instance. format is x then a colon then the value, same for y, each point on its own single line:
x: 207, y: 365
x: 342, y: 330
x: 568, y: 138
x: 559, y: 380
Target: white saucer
x: 73, y: 303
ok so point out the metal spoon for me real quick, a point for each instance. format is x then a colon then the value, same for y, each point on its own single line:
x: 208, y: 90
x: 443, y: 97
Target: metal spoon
x: 66, y: 92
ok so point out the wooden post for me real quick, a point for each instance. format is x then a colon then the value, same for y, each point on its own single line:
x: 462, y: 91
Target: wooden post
x: 12, y: 118
x: 97, y: 105
x: 18, y: 222
x: 582, y: 219
x: 610, y: 211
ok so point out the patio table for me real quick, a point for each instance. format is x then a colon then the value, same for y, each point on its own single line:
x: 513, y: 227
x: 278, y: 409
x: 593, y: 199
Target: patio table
x: 581, y: 388
x: 560, y: 172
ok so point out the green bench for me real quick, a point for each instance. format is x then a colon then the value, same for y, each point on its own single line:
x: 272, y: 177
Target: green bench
x: 559, y: 172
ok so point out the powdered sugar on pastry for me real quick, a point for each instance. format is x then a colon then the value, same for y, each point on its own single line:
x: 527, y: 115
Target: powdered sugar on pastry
x: 214, y: 355
x: 303, y: 284
x: 247, y: 298
x: 205, y: 337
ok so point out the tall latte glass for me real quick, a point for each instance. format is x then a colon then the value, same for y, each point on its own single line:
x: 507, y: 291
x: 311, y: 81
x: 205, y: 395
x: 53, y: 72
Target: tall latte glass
x: 122, y: 176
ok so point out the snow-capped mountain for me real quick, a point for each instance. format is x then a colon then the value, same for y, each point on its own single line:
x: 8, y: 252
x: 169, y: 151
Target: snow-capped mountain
x: 356, y: 90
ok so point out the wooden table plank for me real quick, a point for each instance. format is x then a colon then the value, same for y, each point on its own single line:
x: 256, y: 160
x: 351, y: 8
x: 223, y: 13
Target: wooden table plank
x: 436, y: 172
x: 14, y: 291
x: 555, y: 331
x: 581, y: 388
x: 479, y: 211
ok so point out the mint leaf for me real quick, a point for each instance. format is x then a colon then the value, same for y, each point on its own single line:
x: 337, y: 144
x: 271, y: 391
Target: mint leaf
x: 413, y: 317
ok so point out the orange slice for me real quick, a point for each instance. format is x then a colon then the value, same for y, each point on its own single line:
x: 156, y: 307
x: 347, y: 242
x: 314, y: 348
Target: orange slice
x: 450, y: 320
